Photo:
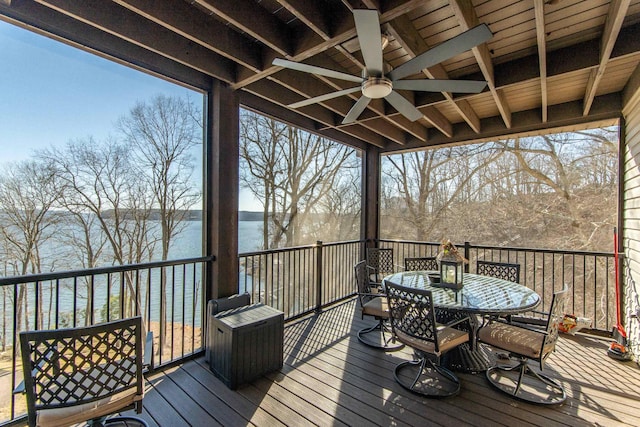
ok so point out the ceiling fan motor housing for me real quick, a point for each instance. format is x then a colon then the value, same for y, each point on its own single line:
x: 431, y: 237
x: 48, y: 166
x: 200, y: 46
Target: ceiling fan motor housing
x: 376, y: 87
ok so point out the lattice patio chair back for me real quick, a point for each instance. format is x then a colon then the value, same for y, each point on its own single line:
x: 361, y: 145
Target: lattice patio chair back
x: 499, y: 270
x: 379, y: 263
x: 421, y: 264
x: 80, y: 374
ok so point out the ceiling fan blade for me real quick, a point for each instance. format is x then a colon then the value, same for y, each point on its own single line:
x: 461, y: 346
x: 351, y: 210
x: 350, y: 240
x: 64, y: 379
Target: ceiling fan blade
x: 428, y: 85
x: 403, y: 106
x: 324, y: 97
x: 306, y: 68
x: 355, y: 111
x: 370, y: 38
x: 443, y: 51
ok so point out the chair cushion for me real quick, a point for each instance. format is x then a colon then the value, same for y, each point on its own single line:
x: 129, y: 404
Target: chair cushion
x: 448, y: 338
x: 377, y: 307
x: 86, y: 411
x: 513, y: 339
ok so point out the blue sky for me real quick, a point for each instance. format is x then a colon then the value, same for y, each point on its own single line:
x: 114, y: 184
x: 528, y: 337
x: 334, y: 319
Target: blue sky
x: 51, y: 93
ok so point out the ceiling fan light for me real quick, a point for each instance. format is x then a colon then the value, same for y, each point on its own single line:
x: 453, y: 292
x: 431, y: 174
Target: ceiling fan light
x: 377, y: 87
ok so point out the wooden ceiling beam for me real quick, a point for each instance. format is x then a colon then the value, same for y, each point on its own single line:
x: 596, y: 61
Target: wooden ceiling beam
x: 313, y: 14
x: 191, y: 23
x: 165, y: 15
x: 265, y: 89
x: 468, y: 19
x: 311, y: 44
x: 123, y: 23
x: 309, y: 88
x: 253, y: 20
x: 605, y: 111
x: 405, y: 33
x: 562, y: 61
x: 266, y: 107
x: 541, y: 36
x: 613, y: 24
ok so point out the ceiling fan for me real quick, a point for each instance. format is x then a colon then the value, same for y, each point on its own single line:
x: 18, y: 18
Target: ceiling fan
x: 376, y: 83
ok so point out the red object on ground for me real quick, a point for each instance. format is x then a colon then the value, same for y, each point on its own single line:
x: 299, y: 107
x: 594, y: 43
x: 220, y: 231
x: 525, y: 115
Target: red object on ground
x: 619, y: 327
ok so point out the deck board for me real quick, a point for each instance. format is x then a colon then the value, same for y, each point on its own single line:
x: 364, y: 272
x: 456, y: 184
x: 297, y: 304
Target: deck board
x: 330, y: 378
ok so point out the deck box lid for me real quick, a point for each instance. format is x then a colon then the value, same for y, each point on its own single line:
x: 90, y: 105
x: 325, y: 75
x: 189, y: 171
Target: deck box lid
x: 248, y: 315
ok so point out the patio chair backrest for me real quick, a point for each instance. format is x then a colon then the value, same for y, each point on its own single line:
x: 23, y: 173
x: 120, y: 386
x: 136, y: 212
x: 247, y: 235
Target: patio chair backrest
x: 556, y: 313
x: 363, y: 286
x: 421, y: 264
x: 411, y: 312
x: 499, y: 270
x: 68, y: 367
x: 380, y: 260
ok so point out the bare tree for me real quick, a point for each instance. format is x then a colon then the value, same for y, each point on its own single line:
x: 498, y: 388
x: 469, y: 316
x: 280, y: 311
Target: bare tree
x: 102, y: 190
x: 425, y: 186
x: 547, y: 191
x: 292, y: 172
x: 574, y: 167
x: 165, y: 132
x: 28, y: 193
x: 340, y: 210
x: 260, y: 156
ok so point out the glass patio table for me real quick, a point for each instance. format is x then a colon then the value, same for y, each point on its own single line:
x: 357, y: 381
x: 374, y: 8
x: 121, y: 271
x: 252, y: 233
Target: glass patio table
x: 480, y: 296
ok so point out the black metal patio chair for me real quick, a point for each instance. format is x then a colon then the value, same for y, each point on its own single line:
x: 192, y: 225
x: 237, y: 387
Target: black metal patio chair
x: 374, y: 303
x: 413, y: 321
x: 85, y: 374
x: 421, y: 264
x: 500, y: 270
x: 523, y: 344
x: 379, y: 264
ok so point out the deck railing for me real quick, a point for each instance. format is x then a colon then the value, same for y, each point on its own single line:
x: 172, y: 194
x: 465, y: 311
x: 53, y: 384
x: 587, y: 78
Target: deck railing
x: 302, y: 279
x: 589, y: 276
x: 170, y: 295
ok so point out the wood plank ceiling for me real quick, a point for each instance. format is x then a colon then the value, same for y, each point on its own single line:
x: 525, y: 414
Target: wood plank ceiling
x: 550, y: 63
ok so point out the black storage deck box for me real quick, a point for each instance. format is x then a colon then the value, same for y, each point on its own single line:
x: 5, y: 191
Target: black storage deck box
x: 246, y: 343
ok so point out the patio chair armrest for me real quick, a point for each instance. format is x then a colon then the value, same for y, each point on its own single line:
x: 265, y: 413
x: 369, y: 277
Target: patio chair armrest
x: 147, y: 357
x: 373, y: 294
x: 458, y: 321
x: 529, y: 320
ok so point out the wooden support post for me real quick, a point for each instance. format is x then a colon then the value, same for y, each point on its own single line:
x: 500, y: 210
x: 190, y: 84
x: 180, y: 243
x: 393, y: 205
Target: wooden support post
x: 370, y: 196
x: 220, y: 222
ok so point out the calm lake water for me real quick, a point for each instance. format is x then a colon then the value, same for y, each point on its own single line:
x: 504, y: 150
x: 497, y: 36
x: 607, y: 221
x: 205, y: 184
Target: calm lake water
x: 188, y: 244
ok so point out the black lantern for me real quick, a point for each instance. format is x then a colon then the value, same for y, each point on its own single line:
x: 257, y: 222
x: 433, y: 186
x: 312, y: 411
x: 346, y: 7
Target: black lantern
x: 451, y: 272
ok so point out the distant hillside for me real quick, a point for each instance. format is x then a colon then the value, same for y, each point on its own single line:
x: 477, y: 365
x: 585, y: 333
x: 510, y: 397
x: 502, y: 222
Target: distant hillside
x: 196, y: 215
x: 249, y: 216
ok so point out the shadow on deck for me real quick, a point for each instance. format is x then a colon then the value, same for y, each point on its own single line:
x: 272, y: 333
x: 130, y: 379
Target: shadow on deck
x: 329, y: 378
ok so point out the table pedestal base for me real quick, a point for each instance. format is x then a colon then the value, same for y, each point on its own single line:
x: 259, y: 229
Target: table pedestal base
x: 465, y: 358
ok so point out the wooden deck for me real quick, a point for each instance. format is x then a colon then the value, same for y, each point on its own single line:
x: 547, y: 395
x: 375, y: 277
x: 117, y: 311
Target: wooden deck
x: 329, y: 378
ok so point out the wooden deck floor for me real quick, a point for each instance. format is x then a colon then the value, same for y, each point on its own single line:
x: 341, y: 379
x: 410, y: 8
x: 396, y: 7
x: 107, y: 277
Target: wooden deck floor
x: 329, y: 378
